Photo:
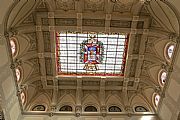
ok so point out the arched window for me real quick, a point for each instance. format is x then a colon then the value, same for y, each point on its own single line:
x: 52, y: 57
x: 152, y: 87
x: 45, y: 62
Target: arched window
x: 90, y: 109
x: 163, y: 77
x: 170, y: 51
x: 114, y: 109
x: 156, y: 99
x: 66, y: 108
x: 13, y: 46
x: 18, y: 74
x: 23, y: 97
x: 141, y: 109
x: 39, y: 108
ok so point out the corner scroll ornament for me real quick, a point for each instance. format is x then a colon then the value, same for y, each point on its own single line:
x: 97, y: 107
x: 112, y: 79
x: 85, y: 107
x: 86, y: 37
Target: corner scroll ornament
x: 146, y: 2
x: 174, y: 37
x: 91, y: 53
x: 15, y: 63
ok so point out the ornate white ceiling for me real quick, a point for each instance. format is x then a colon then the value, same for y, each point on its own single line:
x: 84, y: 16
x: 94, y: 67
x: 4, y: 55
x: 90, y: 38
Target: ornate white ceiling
x: 34, y: 24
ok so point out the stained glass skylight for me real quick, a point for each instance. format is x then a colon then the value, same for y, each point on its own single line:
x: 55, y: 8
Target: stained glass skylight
x: 80, y: 54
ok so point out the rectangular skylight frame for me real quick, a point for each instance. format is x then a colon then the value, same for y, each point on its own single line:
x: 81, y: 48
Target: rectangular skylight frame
x: 68, y: 54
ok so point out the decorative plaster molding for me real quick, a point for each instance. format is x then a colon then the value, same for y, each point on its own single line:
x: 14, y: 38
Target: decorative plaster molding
x: 135, y: 18
x: 38, y: 28
x: 50, y: 14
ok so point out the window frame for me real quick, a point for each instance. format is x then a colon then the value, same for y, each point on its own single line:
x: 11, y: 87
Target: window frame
x: 85, y: 73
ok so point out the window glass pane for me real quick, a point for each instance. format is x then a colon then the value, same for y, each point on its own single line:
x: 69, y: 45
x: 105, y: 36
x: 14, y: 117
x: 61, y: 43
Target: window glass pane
x: 22, y: 97
x: 13, y: 47
x: 83, y: 53
x: 39, y: 108
x: 114, y: 109
x: 170, y: 51
x: 18, y: 74
x: 156, y: 99
x: 140, y: 109
x: 163, y: 77
x: 66, y: 108
x: 90, y: 109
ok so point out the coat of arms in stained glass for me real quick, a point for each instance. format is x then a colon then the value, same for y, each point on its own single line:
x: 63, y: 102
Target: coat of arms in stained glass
x: 91, y: 53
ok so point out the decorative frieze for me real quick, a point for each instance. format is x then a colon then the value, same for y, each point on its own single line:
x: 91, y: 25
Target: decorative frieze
x: 123, y: 6
x: 67, y: 82
x: 137, y: 43
x: 133, y: 68
x: 65, y: 5
x: 91, y: 83
x: 120, y: 24
x: 93, y: 22
x: 94, y: 5
x: 33, y: 41
x: 48, y: 64
x: 45, y: 21
x: 47, y: 42
x: 66, y: 21
x: 114, y: 83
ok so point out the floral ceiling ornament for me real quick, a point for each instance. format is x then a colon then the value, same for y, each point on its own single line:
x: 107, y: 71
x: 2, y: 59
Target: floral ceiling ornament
x: 91, y: 51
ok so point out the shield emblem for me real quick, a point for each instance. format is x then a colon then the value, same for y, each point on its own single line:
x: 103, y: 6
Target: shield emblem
x: 91, y: 53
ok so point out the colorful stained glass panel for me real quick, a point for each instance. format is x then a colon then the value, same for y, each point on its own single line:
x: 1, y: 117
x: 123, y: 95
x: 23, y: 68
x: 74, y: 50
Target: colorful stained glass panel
x: 91, y: 54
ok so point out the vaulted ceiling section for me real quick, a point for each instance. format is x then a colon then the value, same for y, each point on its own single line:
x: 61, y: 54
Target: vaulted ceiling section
x: 34, y: 23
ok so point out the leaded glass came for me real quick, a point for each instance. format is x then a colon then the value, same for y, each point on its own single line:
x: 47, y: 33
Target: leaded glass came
x: 140, y: 109
x: 66, y: 108
x: 91, y: 54
x: 114, y: 109
x: 39, y: 108
x: 90, y: 109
